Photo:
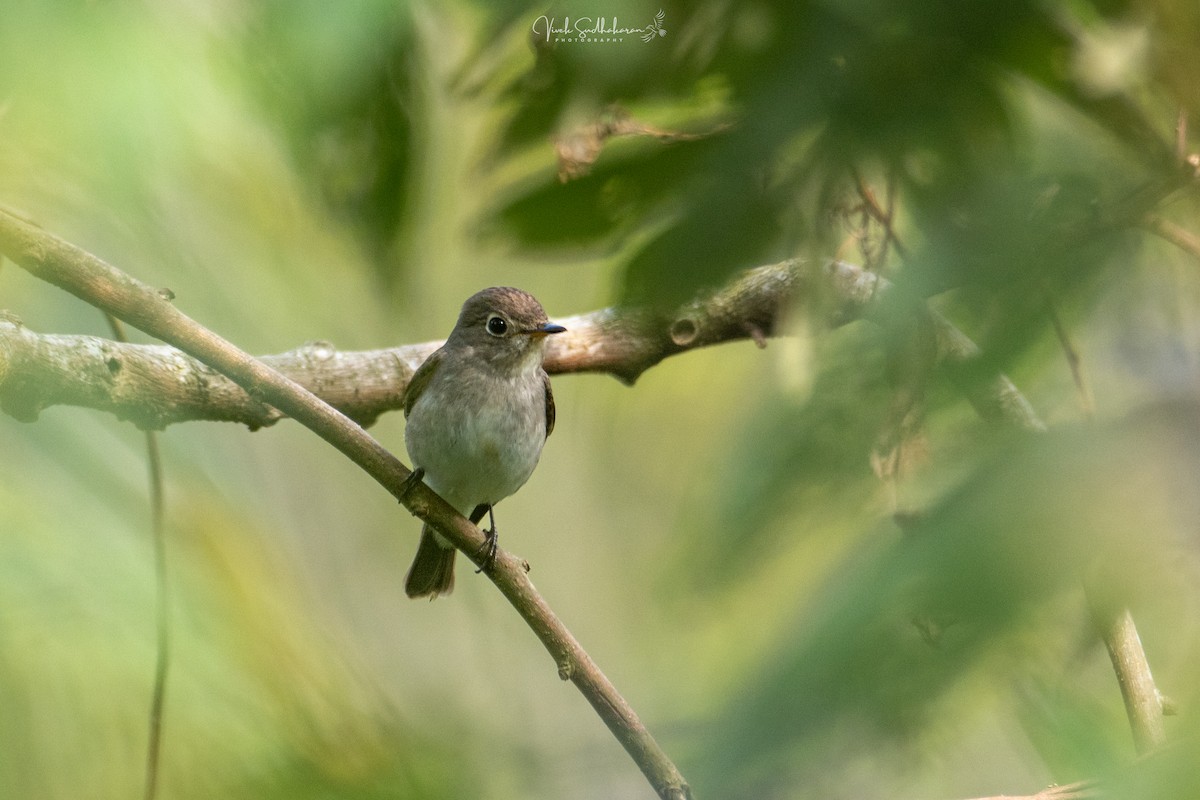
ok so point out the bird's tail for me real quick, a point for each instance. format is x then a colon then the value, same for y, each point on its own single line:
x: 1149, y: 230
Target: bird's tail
x: 432, y: 570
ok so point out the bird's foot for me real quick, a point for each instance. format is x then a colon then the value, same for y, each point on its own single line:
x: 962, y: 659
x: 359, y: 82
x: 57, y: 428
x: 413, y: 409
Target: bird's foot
x: 490, y: 543
x: 488, y: 550
x: 411, y: 481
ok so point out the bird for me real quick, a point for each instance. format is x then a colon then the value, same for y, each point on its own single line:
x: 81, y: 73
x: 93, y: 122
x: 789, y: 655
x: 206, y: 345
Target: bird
x: 477, y: 413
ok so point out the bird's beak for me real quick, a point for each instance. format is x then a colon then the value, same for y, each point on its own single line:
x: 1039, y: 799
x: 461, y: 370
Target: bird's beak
x: 545, y: 329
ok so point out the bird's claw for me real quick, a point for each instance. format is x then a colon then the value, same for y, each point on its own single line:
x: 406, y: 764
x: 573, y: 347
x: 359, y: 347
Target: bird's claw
x: 411, y: 481
x: 488, y: 550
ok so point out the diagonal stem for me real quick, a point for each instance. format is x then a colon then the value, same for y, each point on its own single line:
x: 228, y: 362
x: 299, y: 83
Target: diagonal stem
x: 1143, y: 704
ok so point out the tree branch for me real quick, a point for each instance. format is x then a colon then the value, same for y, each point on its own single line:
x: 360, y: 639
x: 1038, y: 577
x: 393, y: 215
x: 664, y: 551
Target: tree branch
x: 1070, y: 791
x: 156, y: 385
x: 1174, y: 233
x: 994, y: 396
x: 1143, y: 703
x: 111, y: 290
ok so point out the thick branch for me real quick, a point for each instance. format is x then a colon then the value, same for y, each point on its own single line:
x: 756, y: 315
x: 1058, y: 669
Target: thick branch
x: 627, y: 341
x: 156, y: 385
x: 111, y: 290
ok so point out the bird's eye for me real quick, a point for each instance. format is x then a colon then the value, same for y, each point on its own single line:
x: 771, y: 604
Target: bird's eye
x: 496, y: 325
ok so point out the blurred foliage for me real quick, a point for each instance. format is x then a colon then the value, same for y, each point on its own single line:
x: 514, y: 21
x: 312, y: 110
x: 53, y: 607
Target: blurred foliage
x: 344, y: 91
x: 814, y: 572
x: 939, y: 96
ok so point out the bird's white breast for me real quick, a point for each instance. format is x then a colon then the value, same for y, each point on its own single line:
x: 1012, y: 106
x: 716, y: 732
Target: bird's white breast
x: 478, y: 445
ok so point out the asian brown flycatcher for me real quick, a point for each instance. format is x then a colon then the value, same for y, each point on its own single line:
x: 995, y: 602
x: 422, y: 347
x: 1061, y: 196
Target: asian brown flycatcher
x: 478, y: 412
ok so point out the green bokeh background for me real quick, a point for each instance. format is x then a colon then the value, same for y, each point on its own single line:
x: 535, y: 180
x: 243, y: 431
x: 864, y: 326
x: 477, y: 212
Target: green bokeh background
x: 714, y: 536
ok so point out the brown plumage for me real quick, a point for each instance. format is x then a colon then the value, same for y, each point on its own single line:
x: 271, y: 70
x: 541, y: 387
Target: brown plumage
x: 478, y: 410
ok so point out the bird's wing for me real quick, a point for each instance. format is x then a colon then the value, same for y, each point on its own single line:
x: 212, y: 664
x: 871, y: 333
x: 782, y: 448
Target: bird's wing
x: 549, y: 405
x: 420, y: 380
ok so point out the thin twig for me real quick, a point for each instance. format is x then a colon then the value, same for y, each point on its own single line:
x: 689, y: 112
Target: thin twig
x: 890, y: 231
x: 1143, y: 703
x: 1181, y: 135
x: 1174, y: 233
x: 1087, y: 402
x: 994, y: 396
x: 1070, y: 791
x: 880, y: 214
x: 162, y: 652
x: 162, y: 616
x: 109, y: 289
